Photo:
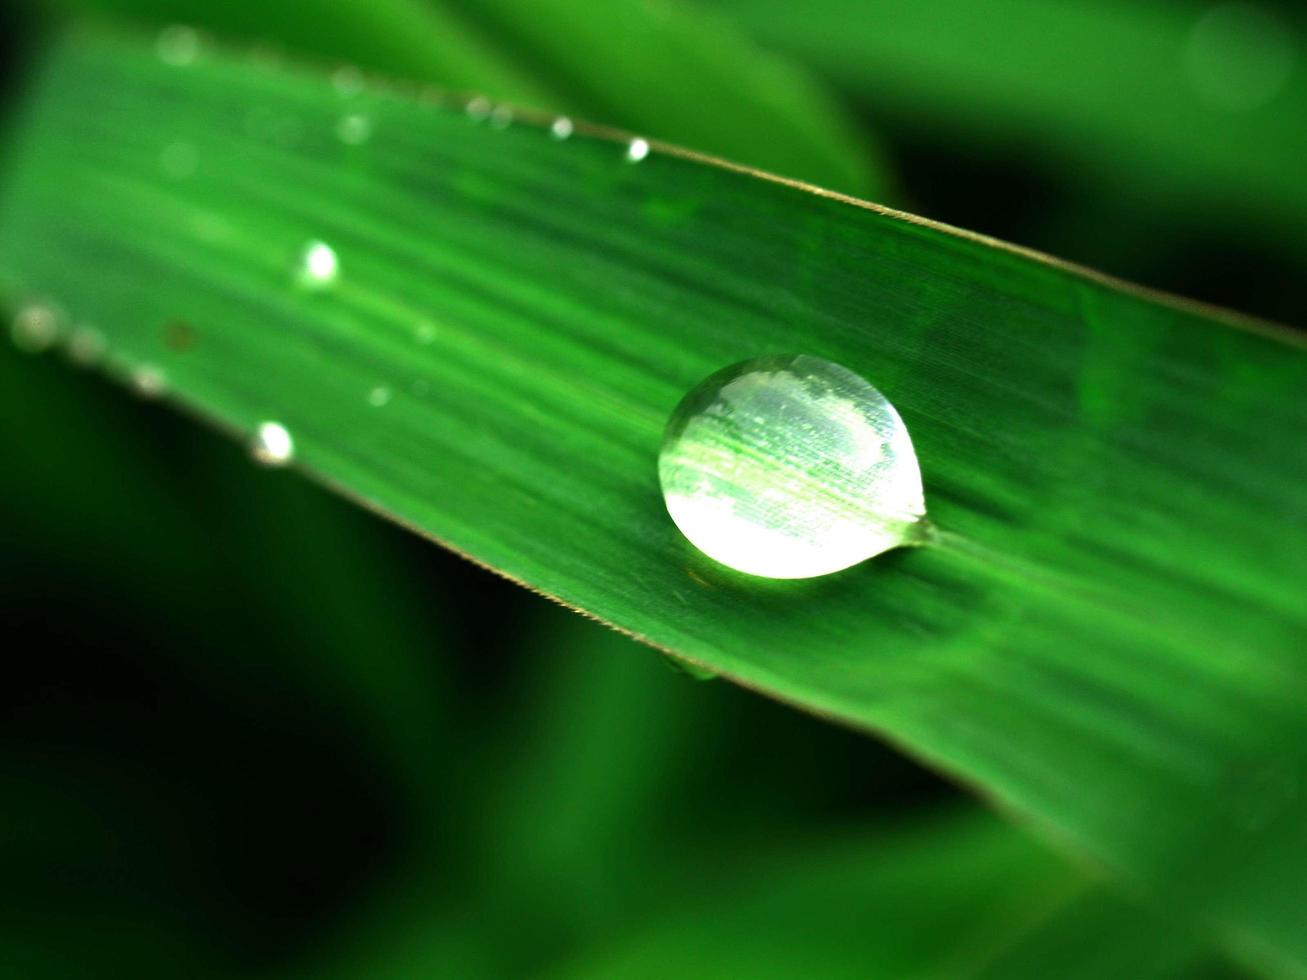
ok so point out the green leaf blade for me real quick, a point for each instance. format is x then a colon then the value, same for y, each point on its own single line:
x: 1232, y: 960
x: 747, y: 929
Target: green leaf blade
x: 1107, y: 636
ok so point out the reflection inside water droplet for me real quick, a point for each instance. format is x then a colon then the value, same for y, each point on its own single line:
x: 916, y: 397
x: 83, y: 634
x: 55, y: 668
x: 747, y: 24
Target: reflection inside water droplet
x: 318, y: 266
x: 790, y: 467
x: 561, y: 128
x: 272, y: 444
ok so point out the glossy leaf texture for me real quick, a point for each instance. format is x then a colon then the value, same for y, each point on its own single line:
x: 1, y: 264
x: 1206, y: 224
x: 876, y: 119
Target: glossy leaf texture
x: 1107, y: 635
x: 677, y: 72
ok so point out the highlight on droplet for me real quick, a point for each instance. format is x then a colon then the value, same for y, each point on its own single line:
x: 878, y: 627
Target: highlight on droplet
x: 637, y: 150
x: 318, y: 265
x: 272, y: 444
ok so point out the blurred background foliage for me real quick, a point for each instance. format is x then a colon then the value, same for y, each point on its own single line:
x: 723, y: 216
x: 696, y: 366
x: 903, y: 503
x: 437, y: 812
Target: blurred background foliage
x: 249, y: 730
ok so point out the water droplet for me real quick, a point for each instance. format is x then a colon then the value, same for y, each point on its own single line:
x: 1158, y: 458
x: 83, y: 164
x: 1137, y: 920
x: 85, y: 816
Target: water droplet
x: 637, y: 150
x: 379, y: 396
x: 272, y: 444
x: 790, y: 467
x: 179, y: 160
x: 347, y: 80
x: 354, y: 129
x: 86, y: 346
x: 36, y: 327
x: 177, y: 45
x: 318, y: 266
x: 561, y: 128
x: 148, y: 381
x: 502, y: 117
x: 478, y: 108
x: 425, y: 332
x: 1239, y: 56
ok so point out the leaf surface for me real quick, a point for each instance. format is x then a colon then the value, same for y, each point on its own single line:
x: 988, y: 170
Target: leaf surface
x: 1106, y: 637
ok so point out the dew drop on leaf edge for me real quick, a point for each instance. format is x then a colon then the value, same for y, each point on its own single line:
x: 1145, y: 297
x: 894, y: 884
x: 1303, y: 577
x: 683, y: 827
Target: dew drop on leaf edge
x: 790, y: 467
x: 272, y: 444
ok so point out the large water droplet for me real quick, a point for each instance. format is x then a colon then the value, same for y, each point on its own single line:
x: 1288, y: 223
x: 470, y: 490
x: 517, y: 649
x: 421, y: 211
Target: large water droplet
x: 561, y: 128
x: 272, y: 444
x: 790, y: 467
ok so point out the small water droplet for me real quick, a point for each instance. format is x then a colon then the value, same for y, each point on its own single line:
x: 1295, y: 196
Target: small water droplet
x: 272, y: 444
x: 790, y: 467
x: 637, y: 150
x: 179, y: 160
x: 177, y: 45
x: 425, y: 332
x: 86, y: 346
x: 354, y: 129
x: 561, y: 128
x: 1239, y: 56
x: 36, y: 327
x: 379, y: 396
x: 478, y: 108
x: 318, y: 265
x: 148, y: 381
x: 348, y: 80
x: 502, y: 117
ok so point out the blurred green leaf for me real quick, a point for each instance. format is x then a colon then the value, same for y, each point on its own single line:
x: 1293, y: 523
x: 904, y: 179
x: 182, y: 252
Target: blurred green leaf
x: 672, y: 71
x: 1191, y: 109
x: 1107, y: 637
